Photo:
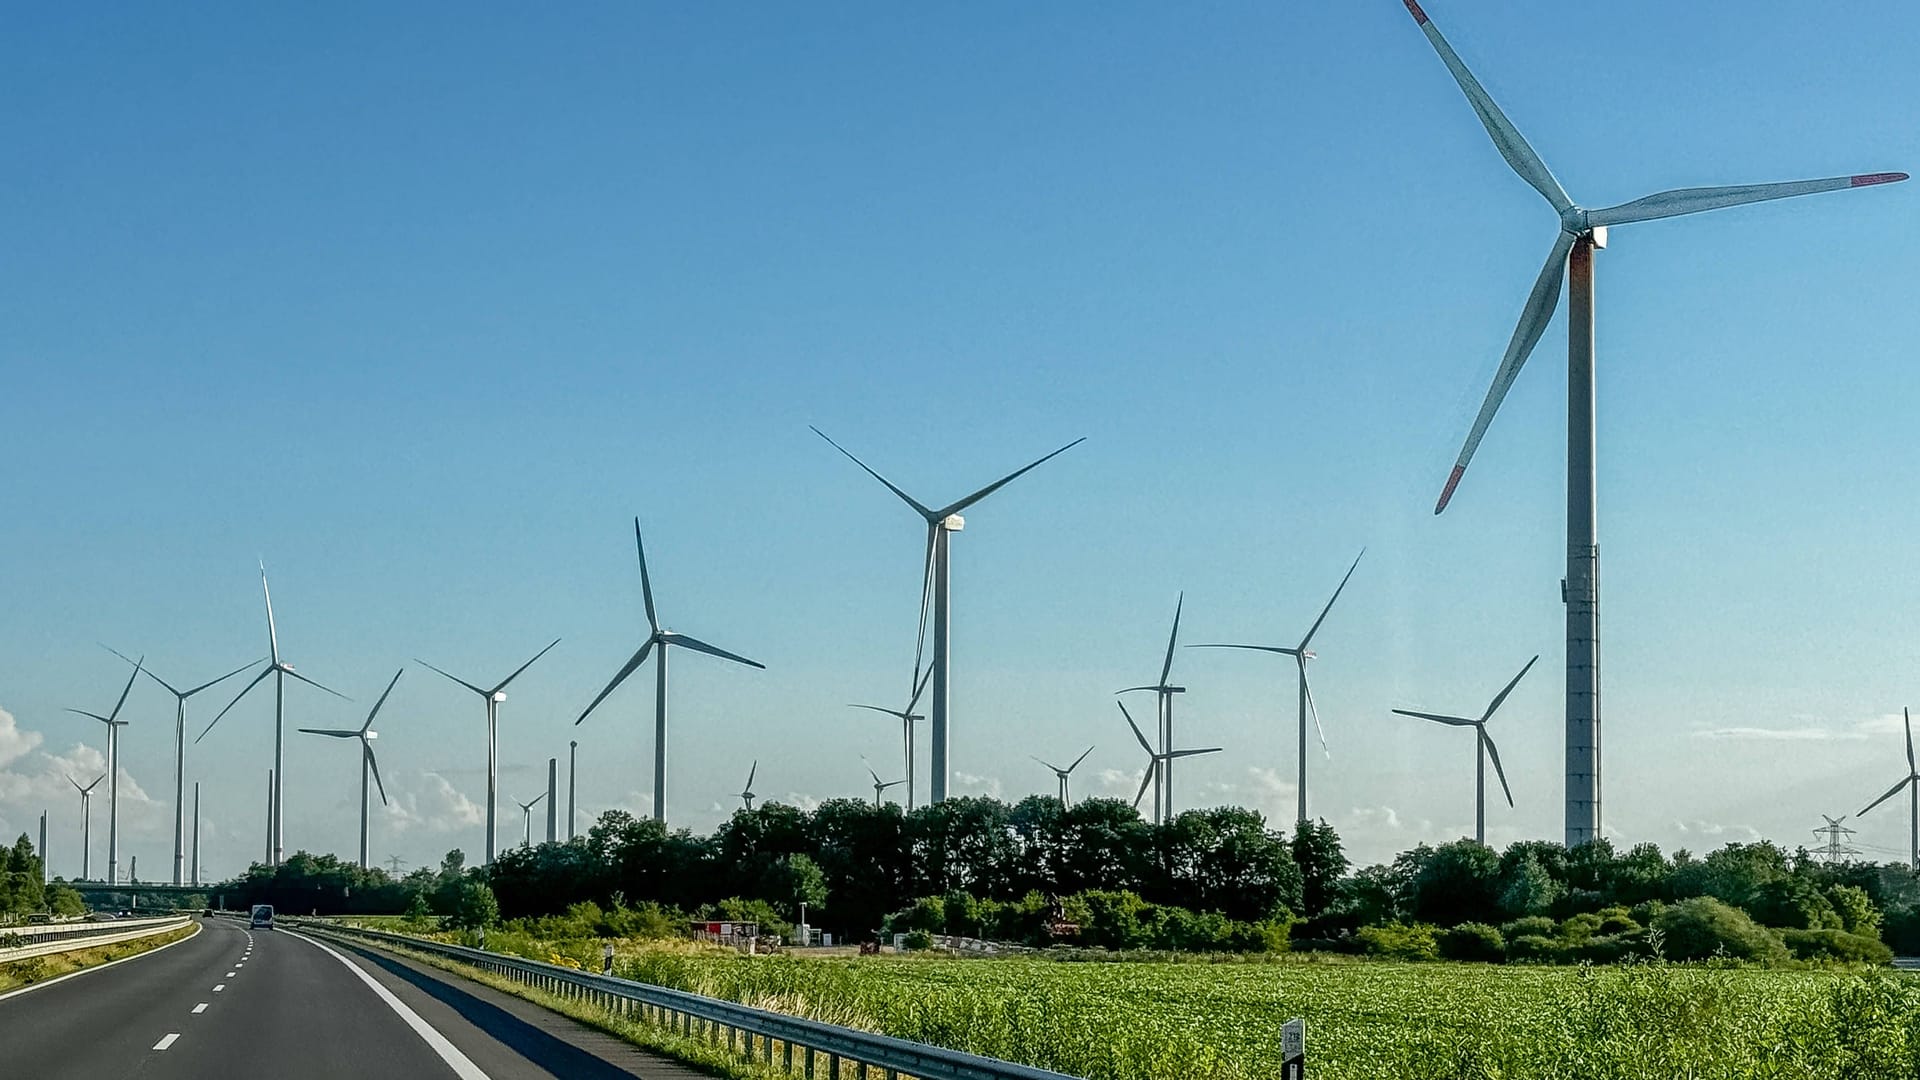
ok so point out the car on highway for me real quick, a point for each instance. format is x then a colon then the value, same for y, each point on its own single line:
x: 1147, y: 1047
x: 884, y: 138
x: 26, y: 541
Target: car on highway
x: 262, y: 917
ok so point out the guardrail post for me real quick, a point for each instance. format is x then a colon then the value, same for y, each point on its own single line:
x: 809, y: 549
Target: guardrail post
x: 1293, y: 1050
x: 833, y: 1066
x: 809, y: 1051
x: 786, y: 1061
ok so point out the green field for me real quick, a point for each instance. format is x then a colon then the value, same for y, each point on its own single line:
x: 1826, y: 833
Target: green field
x: 1365, y: 1020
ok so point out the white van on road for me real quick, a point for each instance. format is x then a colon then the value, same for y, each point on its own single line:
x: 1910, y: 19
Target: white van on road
x: 262, y: 917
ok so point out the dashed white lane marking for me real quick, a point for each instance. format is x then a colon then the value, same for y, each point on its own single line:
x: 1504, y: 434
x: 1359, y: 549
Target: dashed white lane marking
x: 230, y: 974
x: 462, y: 1066
x: 219, y: 988
x: 200, y: 1008
x: 166, y: 1042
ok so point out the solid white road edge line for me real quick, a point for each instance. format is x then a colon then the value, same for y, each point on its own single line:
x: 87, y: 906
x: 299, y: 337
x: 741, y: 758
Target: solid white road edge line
x: 166, y: 1042
x: 462, y: 1066
x: 98, y: 967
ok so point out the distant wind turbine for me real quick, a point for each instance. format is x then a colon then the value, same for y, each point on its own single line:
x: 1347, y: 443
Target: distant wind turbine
x: 667, y: 640
x: 493, y: 696
x: 180, y: 750
x: 527, y: 809
x: 1912, y: 783
x: 114, y: 724
x: 1155, y: 763
x: 746, y: 793
x: 935, y: 588
x: 1581, y: 233
x: 280, y: 670
x: 1062, y: 774
x: 1301, y: 654
x: 907, y: 718
x: 880, y: 786
x: 1483, y: 749
x: 368, y: 766
x: 86, y: 824
x: 1163, y: 692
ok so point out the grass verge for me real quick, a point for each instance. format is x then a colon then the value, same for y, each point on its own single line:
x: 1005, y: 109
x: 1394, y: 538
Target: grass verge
x: 37, y: 969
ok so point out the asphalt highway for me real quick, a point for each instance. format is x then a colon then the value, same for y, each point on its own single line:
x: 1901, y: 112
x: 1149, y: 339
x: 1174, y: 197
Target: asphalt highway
x: 234, y: 1002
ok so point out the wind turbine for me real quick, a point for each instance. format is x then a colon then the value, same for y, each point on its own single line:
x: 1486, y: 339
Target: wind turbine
x: 493, y: 696
x: 940, y: 524
x: 1912, y: 783
x: 666, y: 639
x: 880, y: 786
x: 746, y: 793
x: 86, y: 824
x: 279, y: 669
x: 1062, y: 774
x: 907, y: 718
x: 1483, y: 749
x: 1301, y: 654
x: 114, y: 724
x: 1581, y: 232
x: 1163, y: 700
x: 527, y: 808
x: 368, y: 766
x: 1155, y: 763
x: 180, y: 749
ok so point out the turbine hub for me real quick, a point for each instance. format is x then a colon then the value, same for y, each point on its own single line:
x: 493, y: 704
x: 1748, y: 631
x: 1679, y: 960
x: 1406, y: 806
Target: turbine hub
x: 499, y: 695
x: 1574, y: 220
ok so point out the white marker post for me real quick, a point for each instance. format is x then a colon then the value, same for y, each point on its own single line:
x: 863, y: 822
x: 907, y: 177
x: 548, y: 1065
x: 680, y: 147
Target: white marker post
x: 606, y: 958
x: 1293, y: 1050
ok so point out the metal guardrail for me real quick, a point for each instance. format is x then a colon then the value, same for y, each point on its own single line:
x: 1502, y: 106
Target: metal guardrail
x: 749, y: 1032
x: 55, y: 938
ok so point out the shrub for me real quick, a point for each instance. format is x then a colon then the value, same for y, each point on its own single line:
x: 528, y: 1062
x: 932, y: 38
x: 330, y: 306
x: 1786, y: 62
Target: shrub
x: 1534, y: 925
x: 1579, y: 928
x: 1537, y: 949
x: 1701, y: 927
x: 1856, y: 909
x: 1474, y: 941
x: 1399, y: 941
x: 1617, y: 920
x: 1837, y: 945
x: 917, y: 941
x: 474, y: 907
x: 1610, y: 948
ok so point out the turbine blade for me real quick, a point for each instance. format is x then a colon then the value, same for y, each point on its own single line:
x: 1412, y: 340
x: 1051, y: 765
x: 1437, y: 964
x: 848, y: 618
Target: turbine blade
x: 374, y: 764
x: 1281, y: 649
x: 316, y: 685
x: 620, y: 677
x: 1494, y: 753
x: 1336, y: 595
x: 1136, y: 689
x: 1506, y: 138
x: 75, y: 783
x: 932, y: 518
x: 96, y: 782
x: 1047, y: 763
x: 1313, y: 710
x: 137, y: 666
x: 329, y: 732
x: 1166, y: 667
x: 1153, y: 768
x: 125, y: 690
x: 455, y: 678
x: 375, y: 711
x: 90, y: 715
x: 878, y: 709
x: 1502, y: 697
x: 1144, y: 745
x: 875, y: 775
x: 926, y: 605
x: 1694, y: 200
x: 273, y: 636
x: 1004, y: 481
x: 751, y: 772
x: 1891, y: 792
x: 1533, y: 322
x: 1908, y: 717
x: 1456, y: 721
x: 521, y: 668
x: 1081, y: 758
x: 1191, y: 753
x: 264, y: 672
x: 646, y: 583
x: 215, y: 682
x: 919, y: 689
x: 682, y: 640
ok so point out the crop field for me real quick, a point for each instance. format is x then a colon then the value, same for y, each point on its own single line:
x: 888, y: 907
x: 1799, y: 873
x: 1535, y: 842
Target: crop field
x: 1365, y: 1020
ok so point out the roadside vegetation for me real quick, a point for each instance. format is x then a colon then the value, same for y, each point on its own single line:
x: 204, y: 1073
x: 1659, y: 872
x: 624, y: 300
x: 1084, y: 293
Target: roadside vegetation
x: 34, y: 969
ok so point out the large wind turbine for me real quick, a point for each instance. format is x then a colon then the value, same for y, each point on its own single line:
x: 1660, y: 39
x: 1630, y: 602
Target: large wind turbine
x: 527, y: 809
x: 114, y: 724
x: 86, y: 824
x: 940, y: 524
x: 1912, y: 783
x: 907, y: 718
x: 279, y: 669
x: 666, y: 639
x: 1156, y: 762
x: 180, y: 750
x: 493, y: 696
x: 1483, y: 749
x: 880, y: 786
x: 1061, y: 774
x: 1301, y: 654
x: 1581, y: 232
x: 368, y: 766
x: 1163, y: 692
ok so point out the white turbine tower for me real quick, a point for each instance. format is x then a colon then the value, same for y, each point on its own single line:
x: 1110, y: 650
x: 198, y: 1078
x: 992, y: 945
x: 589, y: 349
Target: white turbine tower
x: 180, y: 751
x: 1156, y: 761
x: 1301, y: 654
x: 935, y: 589
x: 114, y: 724
x: 1483, y: 749
x: 280, y: 670
x: 86, y: 824
x: 1581, y: 232
x: 1163, y: 692
x: 667, y: 640
x: 527, y: 809
x: 368, y: 766
x: 1912, y: 783
x: 1061, y: 774
x: 907, y: 718
x: 493, y: 696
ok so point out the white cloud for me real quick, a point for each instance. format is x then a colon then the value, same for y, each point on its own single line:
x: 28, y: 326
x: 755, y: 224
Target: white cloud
x: 1795, y: 734
x: 15, y: 743
x: 436, y: 806
x: 969, y: 784
x: 1716, y: 831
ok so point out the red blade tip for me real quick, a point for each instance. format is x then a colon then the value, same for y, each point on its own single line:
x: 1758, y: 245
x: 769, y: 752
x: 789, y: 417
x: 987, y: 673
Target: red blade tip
x: 1869, y: 179
x: 1453, y: 481
x: 1413, y: 8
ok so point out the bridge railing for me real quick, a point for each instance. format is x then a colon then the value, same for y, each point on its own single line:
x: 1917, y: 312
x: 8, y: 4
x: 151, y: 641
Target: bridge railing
x: 27, y: 941
x: 799, y: 1045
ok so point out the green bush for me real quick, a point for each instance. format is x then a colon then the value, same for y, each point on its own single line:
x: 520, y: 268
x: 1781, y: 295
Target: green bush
x: 1474, y: 941
x: 1579, y: 928
x: 474, y: 907
x: 1836, y: 945
x: 1618, y: 920
x: 1399, y: 941
x: 1537, y: 949
x: 1610, y: 948
x: 917, y: 941
x: 1701, y: 928
x: 1532, y: 925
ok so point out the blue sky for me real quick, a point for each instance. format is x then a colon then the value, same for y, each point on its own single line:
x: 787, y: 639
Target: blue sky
x: 423, y: 306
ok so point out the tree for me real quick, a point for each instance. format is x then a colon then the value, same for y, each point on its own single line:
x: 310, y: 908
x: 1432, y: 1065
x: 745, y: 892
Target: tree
x: 1527, y: 888
x: 476, y: 908
x: 1453, y: 883
x: 1317, y: 854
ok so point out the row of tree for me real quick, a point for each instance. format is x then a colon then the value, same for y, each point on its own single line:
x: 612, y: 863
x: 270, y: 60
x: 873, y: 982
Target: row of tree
x: 22, y: 891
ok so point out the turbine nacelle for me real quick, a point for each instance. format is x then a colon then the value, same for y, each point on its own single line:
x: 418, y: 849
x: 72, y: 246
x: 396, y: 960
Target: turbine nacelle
x: 953, y: 523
